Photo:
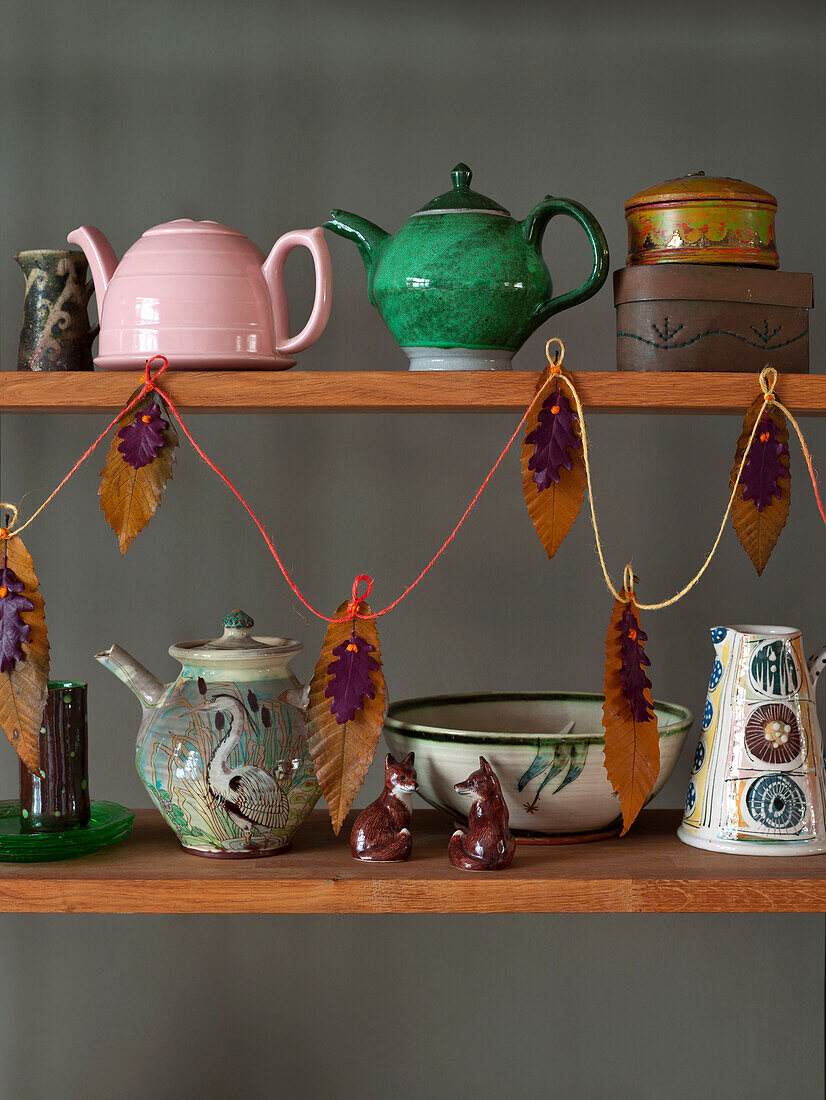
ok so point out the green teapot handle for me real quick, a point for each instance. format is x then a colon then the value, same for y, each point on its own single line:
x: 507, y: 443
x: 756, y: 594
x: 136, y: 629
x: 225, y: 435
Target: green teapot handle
x: 533, y: 227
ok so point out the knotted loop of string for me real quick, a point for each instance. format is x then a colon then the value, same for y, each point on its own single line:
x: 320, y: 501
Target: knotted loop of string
x: 628, y: 578
x: 555, y: 362
x: 150, y: 381
x: 768, y: 380
x: 6, y: 530
x: 356, y: 598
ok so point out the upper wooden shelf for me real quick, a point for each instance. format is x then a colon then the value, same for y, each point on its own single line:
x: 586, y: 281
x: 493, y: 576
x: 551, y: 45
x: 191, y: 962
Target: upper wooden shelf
x: 400, y: 391
x: 649, y: 871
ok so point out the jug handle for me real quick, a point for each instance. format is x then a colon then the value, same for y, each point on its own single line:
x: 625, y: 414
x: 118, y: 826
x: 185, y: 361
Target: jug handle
x: 816, y: 664
x: 273, y: 269
x: 533, y: 228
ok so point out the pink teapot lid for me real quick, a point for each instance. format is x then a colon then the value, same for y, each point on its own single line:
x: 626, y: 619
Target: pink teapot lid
x: 187, y: 225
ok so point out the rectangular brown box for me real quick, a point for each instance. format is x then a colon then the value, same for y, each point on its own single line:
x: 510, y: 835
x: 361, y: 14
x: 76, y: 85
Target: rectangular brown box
x: 702, y: 317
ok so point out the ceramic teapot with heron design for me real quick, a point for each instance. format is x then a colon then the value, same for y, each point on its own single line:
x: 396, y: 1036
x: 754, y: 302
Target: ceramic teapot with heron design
x: 223, y: 750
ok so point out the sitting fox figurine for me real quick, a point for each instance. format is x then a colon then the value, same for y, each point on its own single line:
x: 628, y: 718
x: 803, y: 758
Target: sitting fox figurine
x: 488, y: 844
x: 381, y: 833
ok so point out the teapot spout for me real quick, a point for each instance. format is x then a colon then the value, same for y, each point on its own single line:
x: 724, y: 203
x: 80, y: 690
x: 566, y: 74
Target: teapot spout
x: 101, y: 257
x: 147, y: 687
x: 367, y: 237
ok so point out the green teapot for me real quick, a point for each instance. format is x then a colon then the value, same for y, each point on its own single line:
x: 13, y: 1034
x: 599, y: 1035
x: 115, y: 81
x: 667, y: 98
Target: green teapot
x: 462, y: 285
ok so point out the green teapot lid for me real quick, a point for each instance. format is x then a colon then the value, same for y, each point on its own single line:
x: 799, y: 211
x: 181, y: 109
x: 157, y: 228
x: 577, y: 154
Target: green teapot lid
x: 461, y: 198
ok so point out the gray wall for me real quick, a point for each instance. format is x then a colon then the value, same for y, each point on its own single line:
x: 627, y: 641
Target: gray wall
x: 264, y: 115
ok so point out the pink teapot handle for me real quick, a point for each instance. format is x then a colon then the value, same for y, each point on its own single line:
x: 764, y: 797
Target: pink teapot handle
x: 273, y: 269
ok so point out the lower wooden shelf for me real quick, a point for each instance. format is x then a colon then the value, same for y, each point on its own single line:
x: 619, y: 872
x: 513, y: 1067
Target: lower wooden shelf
x: 650, y: 871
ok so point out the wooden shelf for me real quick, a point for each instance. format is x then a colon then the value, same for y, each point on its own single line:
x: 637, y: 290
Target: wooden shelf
x: 650, y: 871
x: 400, y: 391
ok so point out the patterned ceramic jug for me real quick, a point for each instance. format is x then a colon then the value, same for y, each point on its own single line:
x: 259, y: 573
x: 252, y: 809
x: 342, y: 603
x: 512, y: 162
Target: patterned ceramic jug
x: 223, y: 750
x: 757, y: 783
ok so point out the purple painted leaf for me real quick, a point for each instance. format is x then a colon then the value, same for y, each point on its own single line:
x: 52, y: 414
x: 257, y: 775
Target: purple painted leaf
x: 553, y: 439
x: 633, y: 679
x: 143, y: 438
x: 13, y: 631
x: 350, y: 681
x: 763, y: 467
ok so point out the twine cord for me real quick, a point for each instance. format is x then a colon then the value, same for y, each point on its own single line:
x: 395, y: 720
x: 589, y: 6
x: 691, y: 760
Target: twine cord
x: 768, y: 379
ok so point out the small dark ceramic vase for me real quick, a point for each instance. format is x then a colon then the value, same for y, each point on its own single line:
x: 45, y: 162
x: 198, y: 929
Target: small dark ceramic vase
x: 488, y: 844
x: 55, y: 333
x: 381, y: 833
x: 58, y: 798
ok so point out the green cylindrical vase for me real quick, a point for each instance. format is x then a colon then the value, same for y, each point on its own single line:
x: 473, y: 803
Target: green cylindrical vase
x: 58, y: 797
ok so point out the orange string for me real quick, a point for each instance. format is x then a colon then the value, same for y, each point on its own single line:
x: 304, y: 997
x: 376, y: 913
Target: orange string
x: 351, y: 611
x: 148, y: 385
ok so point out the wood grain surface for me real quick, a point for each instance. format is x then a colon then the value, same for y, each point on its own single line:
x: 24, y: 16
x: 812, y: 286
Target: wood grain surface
x: 649, y: 871
x: 401, y: 391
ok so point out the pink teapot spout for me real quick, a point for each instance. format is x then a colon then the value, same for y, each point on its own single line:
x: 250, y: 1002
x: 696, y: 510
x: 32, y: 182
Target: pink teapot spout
x: 101, y: 257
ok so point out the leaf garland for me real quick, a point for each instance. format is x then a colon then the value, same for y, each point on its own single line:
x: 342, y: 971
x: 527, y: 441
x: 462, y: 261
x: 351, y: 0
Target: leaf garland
x: 24, y: 680
x: 345, y: 713
x: 553, y: 466
x: 632, y: 743
x: 137, y: 468
x: 761, y: 504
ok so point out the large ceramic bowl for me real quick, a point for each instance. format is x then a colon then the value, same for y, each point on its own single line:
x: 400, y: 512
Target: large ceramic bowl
x: 552, y: 772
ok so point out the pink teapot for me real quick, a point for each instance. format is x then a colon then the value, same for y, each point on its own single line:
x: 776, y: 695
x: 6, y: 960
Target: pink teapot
x: 203, y: 295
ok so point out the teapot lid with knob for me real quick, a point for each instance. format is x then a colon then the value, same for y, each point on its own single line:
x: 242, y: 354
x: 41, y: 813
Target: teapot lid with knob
x: 237, y: 643
x: 461, y: 199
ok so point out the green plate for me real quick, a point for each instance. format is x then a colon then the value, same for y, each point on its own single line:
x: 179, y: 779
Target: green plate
x: 109, y: 823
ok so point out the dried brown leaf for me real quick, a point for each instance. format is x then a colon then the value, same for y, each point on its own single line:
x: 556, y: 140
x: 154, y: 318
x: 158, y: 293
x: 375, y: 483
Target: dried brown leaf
x: 342, y: 754
x: 23, y: 690
x: 553, y: 510
x: 759, y: 531
x: 632, y: 748
x: 129, y: 498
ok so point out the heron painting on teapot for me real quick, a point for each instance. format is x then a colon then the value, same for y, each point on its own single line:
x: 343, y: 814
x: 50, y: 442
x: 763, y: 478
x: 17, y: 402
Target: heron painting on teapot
x: 757, y: 782
x: 223, y: 751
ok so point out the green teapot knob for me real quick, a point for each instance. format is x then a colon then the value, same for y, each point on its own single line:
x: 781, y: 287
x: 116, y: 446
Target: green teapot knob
x: 237, y: 620
x: 461, y: 176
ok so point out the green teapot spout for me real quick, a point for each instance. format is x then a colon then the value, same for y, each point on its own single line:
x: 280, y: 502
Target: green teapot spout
x: 367, y: 237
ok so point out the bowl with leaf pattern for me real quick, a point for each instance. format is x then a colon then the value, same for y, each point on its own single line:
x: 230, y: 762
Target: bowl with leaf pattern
x: 545, y: 747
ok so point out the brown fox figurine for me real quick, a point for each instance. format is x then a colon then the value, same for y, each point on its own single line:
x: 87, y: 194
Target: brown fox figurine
x: 381, y: 833
x: 488, y: 844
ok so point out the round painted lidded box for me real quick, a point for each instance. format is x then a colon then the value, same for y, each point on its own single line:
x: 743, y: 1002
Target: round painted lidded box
x: 700, y: 219
x: 223, y: 749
